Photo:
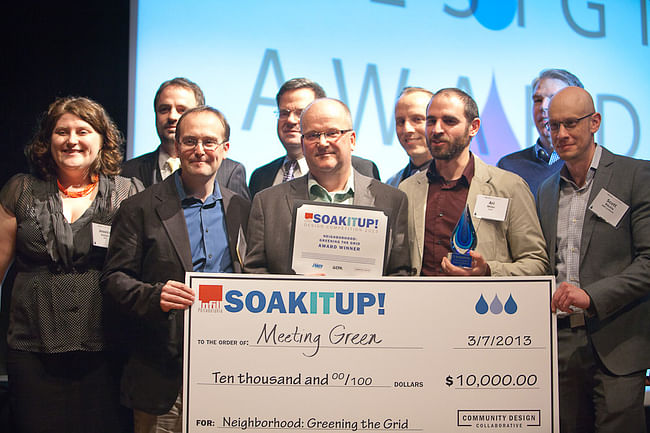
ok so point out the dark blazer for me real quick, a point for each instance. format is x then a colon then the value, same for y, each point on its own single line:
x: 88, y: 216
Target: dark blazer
x: 264, y: 176
x: 614, y: 261
x: 269, y: 231
x: 149, y: 245
x: 231, y: 174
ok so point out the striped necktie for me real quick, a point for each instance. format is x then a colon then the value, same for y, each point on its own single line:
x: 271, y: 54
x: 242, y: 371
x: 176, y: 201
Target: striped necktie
x: 289, y: 168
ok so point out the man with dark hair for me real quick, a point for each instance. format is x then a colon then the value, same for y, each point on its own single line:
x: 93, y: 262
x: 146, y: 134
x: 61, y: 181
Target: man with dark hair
x: 174, y: 97
x: 328, y: 140
x: 595, y: 214
x: 188, y: 222
x: 292, y: 98
x: 510, y: 241
x: 410, y: 115
x: 538, y: 162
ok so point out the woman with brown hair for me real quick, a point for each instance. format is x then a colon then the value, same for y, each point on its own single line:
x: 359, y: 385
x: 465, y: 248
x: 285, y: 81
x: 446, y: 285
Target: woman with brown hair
x: 54, y: 225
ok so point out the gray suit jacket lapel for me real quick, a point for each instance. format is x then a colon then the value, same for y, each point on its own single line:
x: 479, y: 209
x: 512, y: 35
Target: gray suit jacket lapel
x: 548, y: 218
x: 298, y: 191
x: 170, y: 212
x: 362, y: 194
x: 601, y: 180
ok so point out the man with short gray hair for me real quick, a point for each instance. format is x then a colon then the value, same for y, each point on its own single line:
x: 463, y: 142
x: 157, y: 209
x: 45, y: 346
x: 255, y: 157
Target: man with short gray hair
x: 536, y: 163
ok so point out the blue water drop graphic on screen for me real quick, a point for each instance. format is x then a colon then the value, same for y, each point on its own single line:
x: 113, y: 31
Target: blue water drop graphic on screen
x: 511, y: 305
x: 481, y: 305
x: 496, y: 306
x: 495, y: 14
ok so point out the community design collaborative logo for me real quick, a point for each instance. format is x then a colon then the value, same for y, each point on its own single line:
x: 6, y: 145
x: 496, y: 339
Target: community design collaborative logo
x: 496, y: 306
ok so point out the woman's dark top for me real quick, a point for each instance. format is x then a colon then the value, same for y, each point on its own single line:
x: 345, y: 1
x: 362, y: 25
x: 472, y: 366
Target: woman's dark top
x: 56, y: 304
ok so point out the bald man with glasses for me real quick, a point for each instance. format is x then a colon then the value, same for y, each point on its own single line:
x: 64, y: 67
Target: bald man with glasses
x: 595, y: 215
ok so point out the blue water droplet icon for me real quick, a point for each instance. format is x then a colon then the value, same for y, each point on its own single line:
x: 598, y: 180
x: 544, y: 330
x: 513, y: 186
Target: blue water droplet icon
x: 511, y: 305
x: 481, y: 305
x: 496, y: 306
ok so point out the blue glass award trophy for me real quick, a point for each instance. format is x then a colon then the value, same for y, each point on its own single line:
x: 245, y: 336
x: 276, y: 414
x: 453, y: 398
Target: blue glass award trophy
x: 463, y: 240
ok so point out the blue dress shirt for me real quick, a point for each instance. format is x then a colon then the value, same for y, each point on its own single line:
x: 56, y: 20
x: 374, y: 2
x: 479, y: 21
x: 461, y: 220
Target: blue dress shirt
x: 206, y: 227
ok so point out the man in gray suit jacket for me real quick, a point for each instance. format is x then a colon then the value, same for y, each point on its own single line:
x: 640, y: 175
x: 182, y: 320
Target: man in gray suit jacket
x: 328, y: 141
x: 172, y: 98
x: 185, y: 223
x: 595, y: 214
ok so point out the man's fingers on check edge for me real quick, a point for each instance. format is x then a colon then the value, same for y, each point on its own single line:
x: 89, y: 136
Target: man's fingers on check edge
x: 177, y: 299
x: 177, y: 288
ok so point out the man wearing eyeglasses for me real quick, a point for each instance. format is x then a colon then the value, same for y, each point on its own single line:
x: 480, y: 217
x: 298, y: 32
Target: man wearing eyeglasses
x: 292, y: 98
x: 595, y: 214
x: 188, y: 222
x: 536, y: 163
x: 327, y: 144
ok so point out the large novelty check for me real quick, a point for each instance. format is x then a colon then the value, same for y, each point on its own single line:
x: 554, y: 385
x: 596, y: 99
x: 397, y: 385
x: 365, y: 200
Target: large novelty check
x: 386, y: 354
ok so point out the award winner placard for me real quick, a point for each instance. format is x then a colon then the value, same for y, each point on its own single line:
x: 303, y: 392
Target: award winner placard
x: 387, y: 354
x: 338, y: 240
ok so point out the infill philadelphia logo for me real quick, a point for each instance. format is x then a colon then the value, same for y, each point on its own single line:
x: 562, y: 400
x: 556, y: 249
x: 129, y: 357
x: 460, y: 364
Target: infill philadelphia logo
x: 210, y: 297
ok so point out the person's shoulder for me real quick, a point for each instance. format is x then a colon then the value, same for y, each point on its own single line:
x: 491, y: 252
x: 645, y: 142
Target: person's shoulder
x: 140, y: 159
x: 381, y: 189
x: 128, y: 183
x: 412, y: 182
x: 395, y: 179
x: 145, y: 197
x: 234, y: 197
x: 261, y: 169
x: 15, y: 187
x: 524, y: 154
x: 230, y: 164
x: 283, y: 188
x: 624, y: 159
x: 504, y: 181
x: 365, y: 167
x: 131, y: 167
x: 18, y: 180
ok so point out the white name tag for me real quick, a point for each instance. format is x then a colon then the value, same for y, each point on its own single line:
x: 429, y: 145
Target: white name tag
x: 608, y: 207
x: 491, y: 208
x: 101, y: 235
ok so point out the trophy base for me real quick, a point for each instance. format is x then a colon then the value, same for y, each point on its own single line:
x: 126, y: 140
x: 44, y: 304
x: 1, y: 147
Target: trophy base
x: 461, y: 260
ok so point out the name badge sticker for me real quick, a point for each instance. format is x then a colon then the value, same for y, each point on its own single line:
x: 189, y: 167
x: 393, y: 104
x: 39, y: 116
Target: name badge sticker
x: 608, y: 207
x: 491, y: 208
x: 101, y: 235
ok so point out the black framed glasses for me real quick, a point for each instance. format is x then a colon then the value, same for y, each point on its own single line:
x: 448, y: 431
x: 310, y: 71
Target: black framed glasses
x: 554, y: 125
x: 331, y: 135
x: 207, y: 143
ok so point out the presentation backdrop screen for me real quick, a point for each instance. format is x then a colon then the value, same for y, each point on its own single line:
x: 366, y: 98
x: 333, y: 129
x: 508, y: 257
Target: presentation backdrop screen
x: 365, y: 51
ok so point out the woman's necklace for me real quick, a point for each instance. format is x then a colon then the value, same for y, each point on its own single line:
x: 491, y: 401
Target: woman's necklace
x: 88, y: 189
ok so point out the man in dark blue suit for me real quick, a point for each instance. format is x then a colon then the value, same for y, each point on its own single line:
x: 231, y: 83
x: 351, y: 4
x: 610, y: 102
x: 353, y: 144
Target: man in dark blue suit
x: 172, y: 99
x: 292, y: 98
x: 536, y: 163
